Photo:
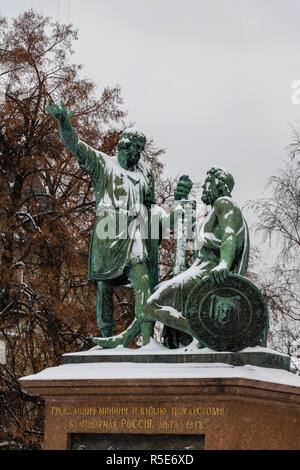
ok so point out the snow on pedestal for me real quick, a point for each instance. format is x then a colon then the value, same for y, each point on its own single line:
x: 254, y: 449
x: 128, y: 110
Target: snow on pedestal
x: 130, y: 370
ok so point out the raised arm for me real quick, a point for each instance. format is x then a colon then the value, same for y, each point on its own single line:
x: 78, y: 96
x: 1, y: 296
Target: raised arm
x: 86, y: 156
x: 181, y: 194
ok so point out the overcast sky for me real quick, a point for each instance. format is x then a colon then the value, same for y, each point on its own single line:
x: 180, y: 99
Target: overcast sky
x: 209, y: 80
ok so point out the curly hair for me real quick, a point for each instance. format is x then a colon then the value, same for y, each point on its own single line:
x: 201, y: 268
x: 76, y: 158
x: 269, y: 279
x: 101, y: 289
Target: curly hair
x: 128, y: 134
x: 225, y: 181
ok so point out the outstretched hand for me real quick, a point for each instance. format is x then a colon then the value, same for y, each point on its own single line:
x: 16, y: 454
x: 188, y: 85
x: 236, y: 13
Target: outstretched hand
x: 183, y: 188
x: 59, y: 113
x: 219, y: 274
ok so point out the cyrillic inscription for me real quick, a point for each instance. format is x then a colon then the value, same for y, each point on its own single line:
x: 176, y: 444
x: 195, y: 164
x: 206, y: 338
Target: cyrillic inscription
x: 125, y: 418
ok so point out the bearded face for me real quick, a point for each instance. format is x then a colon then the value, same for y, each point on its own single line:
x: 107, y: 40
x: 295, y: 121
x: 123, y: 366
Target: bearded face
x: 210, y: 190
x: 217, y: 184
x: 130, y: 148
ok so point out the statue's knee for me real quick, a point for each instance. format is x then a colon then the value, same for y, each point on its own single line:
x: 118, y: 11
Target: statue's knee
x: 166, y: 297
x: 145, y: 281
x: 147, y: 312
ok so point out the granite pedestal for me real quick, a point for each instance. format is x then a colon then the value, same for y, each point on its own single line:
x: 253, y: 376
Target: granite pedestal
x: 146, y: 399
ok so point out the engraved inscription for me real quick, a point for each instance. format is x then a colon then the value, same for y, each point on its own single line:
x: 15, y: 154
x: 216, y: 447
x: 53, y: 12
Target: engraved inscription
x: 138, y: 418
x: 204, y: 410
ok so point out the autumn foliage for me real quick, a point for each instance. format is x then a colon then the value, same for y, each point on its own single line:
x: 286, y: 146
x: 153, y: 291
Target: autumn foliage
x: 47, y: 211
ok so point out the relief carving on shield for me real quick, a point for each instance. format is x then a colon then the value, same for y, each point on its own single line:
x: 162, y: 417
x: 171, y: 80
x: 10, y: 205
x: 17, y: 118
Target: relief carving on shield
x: 227, y: 317
x: 223, y: 310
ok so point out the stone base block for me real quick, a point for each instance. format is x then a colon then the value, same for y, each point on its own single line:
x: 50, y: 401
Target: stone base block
x: 258, y: 356
x: 160, y: 406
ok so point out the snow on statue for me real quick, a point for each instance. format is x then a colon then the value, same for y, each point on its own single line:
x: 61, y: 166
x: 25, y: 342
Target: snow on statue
x: 119, y: 251
x: 225, y: 249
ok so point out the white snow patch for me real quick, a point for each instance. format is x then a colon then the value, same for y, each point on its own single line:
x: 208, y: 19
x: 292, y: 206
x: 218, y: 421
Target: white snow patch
x: 133, y: 130
x: 173, y: 312
x: 154, y: 346
x: 228, y: 214
x: 2, y: 352
x: 228, y: 198
x: 191, y: 273
x: 218, y: 167
x: 222, y: 265
x: 127, y: 370
x: 211, y: 236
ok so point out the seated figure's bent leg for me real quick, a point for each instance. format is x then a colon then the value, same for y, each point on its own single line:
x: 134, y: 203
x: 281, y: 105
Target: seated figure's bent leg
x: 167, y: 304
x: 167, y: 316
x: 139, y: 277
x: 164, y: 305
x: 105, y: 308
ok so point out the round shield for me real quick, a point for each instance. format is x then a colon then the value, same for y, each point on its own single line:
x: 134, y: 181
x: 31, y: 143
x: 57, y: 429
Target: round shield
x: 227, y: 317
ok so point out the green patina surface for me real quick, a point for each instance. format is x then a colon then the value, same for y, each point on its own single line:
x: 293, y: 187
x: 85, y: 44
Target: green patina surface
x: 257, y: 358
x: 204, y: 300
x: 211, y: 300
x: 229, y: 316
x: 120, y: 183
x: 119, y: 253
